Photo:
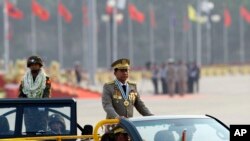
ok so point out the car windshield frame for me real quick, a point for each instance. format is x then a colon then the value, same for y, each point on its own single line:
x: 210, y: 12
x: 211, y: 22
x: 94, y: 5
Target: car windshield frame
x: 17, y: 108
x: 149, y: 127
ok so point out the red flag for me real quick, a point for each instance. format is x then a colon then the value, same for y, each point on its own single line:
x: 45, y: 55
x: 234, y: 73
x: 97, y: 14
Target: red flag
x: 135, y: 14
x: 64, y: 12
x: 227, y: 18
x: 40, y: 11
x: 13, y: 11
x: 245, y: 14
x: 109, y: 9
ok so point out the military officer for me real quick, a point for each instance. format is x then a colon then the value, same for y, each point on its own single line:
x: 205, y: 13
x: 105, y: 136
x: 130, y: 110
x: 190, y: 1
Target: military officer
x: 35, y: 84
x: 120, y: 96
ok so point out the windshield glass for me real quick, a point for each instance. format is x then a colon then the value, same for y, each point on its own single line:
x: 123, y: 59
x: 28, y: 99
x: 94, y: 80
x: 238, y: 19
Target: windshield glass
x: 7, y: 121
x: 36, y: 120
x: 175, y: 129
x: 46, y: 120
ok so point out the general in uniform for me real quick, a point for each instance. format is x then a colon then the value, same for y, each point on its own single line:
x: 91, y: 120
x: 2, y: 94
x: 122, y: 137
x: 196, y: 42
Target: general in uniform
x: 121, y: 96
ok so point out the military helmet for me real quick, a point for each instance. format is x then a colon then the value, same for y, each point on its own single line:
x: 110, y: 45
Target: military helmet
x: 34, y: 60
x: 56, y: 118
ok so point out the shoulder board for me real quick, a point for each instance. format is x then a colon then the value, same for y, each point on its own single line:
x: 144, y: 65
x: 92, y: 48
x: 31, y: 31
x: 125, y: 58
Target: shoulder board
x: 131, y: 83
x: 111, y: 82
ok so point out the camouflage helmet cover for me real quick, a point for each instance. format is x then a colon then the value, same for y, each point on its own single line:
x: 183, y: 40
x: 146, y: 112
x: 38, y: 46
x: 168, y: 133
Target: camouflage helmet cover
x: 34, y: 60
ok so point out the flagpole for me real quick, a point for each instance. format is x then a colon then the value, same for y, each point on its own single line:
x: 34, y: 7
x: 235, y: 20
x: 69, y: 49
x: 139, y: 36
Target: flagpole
x: 225, y: 45
x: 184, y: 45
x: 108, y: 47
x: 190, y: 43
x: 184, y: 39
x: 242, y: 40
x: 172, y: 38
x: 151, y: 29
x: 85, y: 46
x: 85, y: 34
x: 92, y: 45
x: 114, y: 32
x: 198, y: 36
x: 6, y: 41
x: 60, y: 38
x: 130, y: 39
x: 33, y: 32
x: 209, y: 47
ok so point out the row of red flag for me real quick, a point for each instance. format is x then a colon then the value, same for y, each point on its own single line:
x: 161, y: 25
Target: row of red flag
x: 244, y: 13
x: 38, y: 10
x: 133, y: 11
x: 135, y: 14
x: 44, y: 15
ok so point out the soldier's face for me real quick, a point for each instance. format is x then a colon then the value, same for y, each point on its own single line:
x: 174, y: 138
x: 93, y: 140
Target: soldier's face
x: 122, y: 74
x: 35, y: 68
x: 122, y: 137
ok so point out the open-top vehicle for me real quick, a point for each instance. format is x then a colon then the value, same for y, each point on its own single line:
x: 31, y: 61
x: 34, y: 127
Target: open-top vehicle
x: 29, y: 119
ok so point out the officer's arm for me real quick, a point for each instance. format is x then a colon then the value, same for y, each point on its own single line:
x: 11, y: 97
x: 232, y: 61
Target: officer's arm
x: 107, y: 102
x: 21, y: 94
x: 141, y: 108
x: 47, y: 90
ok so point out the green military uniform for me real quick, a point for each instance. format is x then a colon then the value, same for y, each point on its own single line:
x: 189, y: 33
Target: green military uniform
x: 113, y: 101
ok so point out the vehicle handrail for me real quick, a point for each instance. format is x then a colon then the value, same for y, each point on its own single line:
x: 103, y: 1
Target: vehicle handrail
x: 100, y: 124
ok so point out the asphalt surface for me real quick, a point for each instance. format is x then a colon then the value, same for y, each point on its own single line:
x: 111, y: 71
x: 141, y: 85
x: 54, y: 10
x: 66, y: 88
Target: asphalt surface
x: 225, y: 97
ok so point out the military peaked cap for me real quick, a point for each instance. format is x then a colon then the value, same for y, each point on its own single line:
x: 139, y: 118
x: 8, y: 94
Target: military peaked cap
x: 121, y: 64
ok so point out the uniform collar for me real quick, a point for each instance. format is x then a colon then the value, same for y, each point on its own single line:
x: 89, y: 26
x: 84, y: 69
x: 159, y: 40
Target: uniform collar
x: 126, y: 83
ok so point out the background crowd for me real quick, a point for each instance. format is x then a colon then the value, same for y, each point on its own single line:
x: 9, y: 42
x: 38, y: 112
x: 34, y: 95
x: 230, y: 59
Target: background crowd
x: 175, y: 77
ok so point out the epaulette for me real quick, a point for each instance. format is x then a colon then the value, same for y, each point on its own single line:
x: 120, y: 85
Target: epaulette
x: 131, y: 83
x: 111, y: 82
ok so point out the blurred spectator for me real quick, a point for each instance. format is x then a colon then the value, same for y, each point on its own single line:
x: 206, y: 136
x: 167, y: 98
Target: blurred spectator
x: 54, y: 71
x: 78, y: 73
x: 171, y: 74
x: 163, y: 75
x: 181, y: 77
x: 193, y: 77
x: 155, y: 77
x: 148, y: 65
x: 196, y: 71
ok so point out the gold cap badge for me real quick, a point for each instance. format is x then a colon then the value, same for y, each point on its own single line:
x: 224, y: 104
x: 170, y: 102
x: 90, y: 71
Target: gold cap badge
x: 121, y: 64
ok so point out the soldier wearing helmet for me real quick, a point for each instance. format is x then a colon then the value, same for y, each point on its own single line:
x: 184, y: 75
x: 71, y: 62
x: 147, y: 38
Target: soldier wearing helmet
x: 35, y: 84
x: 57, y: 124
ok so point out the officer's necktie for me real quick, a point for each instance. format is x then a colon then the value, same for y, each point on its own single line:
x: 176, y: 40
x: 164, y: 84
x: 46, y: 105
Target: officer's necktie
x: 124, y: 88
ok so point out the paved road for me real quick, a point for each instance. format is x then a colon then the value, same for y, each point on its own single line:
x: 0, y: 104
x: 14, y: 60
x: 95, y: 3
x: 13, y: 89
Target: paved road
x: 226, y: 98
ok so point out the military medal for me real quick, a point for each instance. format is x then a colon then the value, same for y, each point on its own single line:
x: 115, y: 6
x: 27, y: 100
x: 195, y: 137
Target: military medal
x: 124, y: 95
x: 126, y: 103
